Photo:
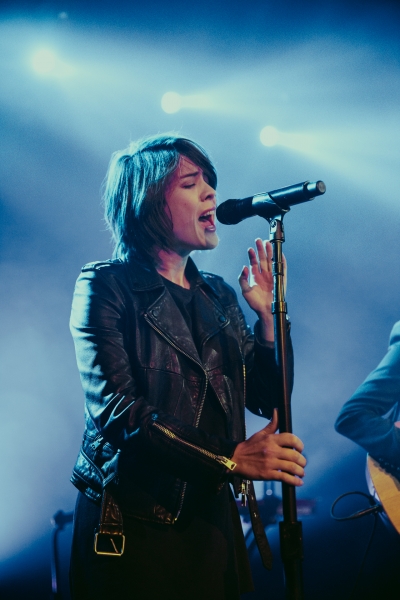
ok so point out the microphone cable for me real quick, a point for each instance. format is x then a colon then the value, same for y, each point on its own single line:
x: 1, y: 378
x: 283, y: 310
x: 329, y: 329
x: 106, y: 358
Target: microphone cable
x: 374, y: 509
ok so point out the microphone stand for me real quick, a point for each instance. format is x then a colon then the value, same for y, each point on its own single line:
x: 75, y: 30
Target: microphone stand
x: 273, y: 206
x: 290, y: 529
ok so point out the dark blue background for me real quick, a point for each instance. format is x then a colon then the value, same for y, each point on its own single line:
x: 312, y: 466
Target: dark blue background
x: 327, y: 76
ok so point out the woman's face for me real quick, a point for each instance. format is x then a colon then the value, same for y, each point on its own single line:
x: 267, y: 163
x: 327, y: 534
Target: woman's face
x: 191, y: 202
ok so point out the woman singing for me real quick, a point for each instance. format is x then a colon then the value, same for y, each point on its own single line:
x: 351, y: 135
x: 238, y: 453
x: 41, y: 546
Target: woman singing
x: 168, y: 365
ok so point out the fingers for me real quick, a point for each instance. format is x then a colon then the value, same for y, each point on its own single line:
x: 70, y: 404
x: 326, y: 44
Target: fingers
x: 263, y: 258
x: 269, y: 253
x: 265, y: 263
x: 289, y: 467
x: 284, y: 440
x: 280, y: 457
x: 287, y: 478
x: 292, y: 457
x: 289, y: 440
x: 260, y: 260
x: 244, y: 280
x: 253, y: 260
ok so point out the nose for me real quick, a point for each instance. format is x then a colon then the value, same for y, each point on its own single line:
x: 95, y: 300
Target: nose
x: 208, y: 192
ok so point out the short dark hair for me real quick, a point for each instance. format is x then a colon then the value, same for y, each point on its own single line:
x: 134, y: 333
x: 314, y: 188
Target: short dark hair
x: 134, y: 192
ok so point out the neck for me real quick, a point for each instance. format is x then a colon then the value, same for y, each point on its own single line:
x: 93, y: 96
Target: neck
x: 172, y: 266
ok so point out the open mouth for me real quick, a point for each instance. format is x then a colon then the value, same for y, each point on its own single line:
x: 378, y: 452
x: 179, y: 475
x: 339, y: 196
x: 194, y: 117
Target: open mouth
x: 208, y: 217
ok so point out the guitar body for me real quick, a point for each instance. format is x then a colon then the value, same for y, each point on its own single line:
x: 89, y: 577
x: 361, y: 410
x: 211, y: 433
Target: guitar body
x: 388, y: 490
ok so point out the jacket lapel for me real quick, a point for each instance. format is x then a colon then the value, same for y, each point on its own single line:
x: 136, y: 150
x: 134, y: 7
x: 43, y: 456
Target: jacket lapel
x: 164, y: 315
x: 209, y: 318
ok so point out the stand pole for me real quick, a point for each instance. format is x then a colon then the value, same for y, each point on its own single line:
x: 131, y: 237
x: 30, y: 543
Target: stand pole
x: 290, y: 528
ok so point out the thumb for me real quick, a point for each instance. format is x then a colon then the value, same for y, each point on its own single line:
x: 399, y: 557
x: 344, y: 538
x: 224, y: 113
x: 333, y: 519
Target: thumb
x: 273, y: 424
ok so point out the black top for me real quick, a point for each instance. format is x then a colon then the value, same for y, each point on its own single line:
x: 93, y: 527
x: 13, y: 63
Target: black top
x: 212, y: 419
x: 210, y: 510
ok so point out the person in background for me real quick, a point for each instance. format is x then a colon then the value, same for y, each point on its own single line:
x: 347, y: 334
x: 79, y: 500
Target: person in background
x: 371, y: 417
x: 168, y: 364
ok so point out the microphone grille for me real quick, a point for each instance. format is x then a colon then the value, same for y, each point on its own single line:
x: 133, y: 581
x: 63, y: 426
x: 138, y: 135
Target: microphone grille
x: 232, y: 212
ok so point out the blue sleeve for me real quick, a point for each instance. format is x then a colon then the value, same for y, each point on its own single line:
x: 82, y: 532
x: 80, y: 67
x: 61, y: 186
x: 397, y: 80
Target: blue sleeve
x: 368, y: 417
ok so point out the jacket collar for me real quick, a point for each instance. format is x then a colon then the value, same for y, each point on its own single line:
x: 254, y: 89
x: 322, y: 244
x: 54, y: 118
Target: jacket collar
x: 144, y: 277
x: 164, y: 315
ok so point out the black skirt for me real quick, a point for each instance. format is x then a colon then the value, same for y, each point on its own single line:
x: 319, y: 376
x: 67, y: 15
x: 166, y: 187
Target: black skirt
x: 202, y: 557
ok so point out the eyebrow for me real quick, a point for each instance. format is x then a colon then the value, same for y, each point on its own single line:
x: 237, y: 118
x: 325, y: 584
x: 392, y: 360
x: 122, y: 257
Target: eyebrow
x: 190, y: 174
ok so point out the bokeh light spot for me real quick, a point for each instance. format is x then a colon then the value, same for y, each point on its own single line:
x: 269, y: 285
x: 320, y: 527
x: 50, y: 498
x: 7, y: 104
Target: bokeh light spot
x: 171, y: 102
x: 44, y: 61
x: 269, y: 136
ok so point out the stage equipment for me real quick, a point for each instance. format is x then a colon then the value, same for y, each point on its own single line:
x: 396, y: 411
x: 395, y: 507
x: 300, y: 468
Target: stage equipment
x: 59, y: 520
x: 273, y: 206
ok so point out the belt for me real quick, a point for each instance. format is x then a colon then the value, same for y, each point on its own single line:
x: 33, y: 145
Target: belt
x: 109, y: 540
x: 258, y: 528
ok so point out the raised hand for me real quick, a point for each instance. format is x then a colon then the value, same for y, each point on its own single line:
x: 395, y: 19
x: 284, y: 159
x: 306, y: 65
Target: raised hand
x: 256, y: 284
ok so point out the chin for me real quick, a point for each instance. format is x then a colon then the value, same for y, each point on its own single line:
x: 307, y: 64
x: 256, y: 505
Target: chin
x: 211, y: 245
x: 212, y: 241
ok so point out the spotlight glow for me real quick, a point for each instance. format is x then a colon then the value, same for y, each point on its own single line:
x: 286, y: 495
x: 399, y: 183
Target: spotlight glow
x: 269, y: 136
x: 44, y: 61
x: 201, y: 101
x: 171, y: 102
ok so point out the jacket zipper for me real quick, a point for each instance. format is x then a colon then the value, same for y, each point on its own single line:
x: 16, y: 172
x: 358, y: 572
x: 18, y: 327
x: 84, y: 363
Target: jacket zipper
x: 221, y: 459
x: 244, y: 486
x: 244, y: 394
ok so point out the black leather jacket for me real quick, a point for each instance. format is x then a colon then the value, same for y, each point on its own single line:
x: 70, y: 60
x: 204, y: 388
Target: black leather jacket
x: 145, y: 385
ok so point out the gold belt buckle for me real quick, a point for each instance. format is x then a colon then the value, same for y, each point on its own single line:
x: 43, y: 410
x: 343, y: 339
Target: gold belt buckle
x: 107, y: 544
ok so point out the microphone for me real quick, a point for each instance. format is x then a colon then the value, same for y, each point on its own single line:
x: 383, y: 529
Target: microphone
x: 268, y: 204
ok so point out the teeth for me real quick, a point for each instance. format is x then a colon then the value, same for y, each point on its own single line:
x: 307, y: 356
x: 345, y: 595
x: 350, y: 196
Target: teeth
x: 206, y: 215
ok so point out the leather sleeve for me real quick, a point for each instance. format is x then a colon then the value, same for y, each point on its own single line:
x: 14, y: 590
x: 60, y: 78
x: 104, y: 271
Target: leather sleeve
x: 263, y: 382
x: 365, y: 419
x: 121, y: 414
